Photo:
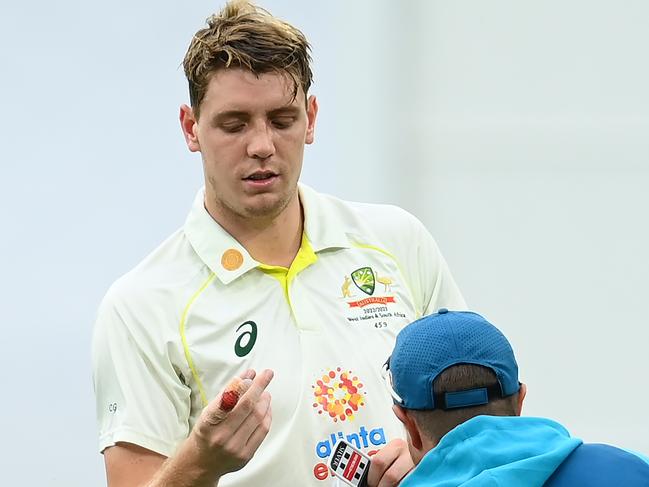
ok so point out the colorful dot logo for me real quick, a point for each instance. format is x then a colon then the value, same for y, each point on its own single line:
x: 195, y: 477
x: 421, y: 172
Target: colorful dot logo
x: 338, y: 395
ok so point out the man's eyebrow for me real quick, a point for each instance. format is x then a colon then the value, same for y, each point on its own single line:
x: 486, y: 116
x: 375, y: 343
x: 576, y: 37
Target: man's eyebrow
x: 229, y: 115
x: 287, y: 110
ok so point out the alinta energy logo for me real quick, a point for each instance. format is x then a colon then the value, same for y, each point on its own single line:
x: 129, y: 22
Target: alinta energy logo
x: 338, y: 394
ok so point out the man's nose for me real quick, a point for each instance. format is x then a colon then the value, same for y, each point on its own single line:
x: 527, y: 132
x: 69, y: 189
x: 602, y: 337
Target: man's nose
x: 260, y: 145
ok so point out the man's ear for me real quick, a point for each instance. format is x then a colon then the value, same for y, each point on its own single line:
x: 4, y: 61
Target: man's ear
x: 521, y: 397
x: 409, y: 423
x: 188, y: 125
x: 311, y: 114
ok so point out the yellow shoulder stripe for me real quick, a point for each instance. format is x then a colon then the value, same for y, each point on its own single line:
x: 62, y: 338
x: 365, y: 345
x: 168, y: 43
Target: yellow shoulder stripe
x: 183, y: 337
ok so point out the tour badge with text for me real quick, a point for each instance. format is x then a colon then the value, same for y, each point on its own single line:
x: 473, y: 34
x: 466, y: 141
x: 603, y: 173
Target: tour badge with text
x: 338, y: 395
x: 369, y: 297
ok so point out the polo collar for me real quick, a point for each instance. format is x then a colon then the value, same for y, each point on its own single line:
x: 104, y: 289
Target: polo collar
x: 228, y: 259
x: 321, y: 224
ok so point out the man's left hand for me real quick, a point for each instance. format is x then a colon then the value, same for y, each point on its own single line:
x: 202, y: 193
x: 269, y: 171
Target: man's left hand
x: 390, y: 465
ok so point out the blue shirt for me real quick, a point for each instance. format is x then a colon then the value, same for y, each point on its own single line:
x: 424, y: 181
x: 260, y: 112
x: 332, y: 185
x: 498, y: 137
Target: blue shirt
x: 497, y: 451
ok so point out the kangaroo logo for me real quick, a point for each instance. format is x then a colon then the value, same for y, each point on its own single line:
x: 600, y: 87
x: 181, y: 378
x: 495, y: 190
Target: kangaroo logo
x: 345, y: 288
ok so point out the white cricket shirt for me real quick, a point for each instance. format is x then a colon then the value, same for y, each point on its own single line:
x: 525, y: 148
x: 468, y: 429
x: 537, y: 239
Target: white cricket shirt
x: 199, y: 310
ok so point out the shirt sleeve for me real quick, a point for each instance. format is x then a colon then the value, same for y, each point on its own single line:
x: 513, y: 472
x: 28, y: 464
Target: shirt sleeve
x: 433, y: 286
x: 140, y: 395
x: 439, y: 287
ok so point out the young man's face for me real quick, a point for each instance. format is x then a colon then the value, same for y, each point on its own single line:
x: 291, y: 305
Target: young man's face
x: 251, y: 135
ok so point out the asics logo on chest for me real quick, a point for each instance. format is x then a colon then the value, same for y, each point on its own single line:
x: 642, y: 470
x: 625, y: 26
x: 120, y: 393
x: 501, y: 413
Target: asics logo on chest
x: 247, y: 339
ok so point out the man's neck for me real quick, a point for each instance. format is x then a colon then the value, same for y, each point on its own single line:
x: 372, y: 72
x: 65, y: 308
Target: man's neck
x: 272, y: 241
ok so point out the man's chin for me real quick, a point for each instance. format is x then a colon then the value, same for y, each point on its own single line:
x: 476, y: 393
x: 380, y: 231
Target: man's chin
x: 266, y: 206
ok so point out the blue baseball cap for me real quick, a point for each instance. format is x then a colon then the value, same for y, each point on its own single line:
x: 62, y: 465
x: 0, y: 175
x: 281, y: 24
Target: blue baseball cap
x: 430, y: 345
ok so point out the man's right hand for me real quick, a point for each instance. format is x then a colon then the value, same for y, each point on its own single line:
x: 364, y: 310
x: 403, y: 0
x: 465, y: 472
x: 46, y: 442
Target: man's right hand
x: 221, y: 442
x: 225, y: 438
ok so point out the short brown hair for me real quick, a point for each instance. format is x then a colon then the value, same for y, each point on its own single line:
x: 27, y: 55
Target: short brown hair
x: 243, y: 35
x: 436, y: 423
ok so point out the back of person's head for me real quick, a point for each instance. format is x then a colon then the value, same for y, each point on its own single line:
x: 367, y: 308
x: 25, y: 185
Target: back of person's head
x: 447, y: 368
x: 245, y: 36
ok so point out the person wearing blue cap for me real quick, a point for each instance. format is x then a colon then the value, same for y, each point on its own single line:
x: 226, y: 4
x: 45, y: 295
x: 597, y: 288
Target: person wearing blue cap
x: 454, y: 381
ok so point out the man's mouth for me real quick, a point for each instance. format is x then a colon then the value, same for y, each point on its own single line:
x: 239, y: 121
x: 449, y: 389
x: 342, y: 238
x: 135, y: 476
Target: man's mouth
x: 260, y: 176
